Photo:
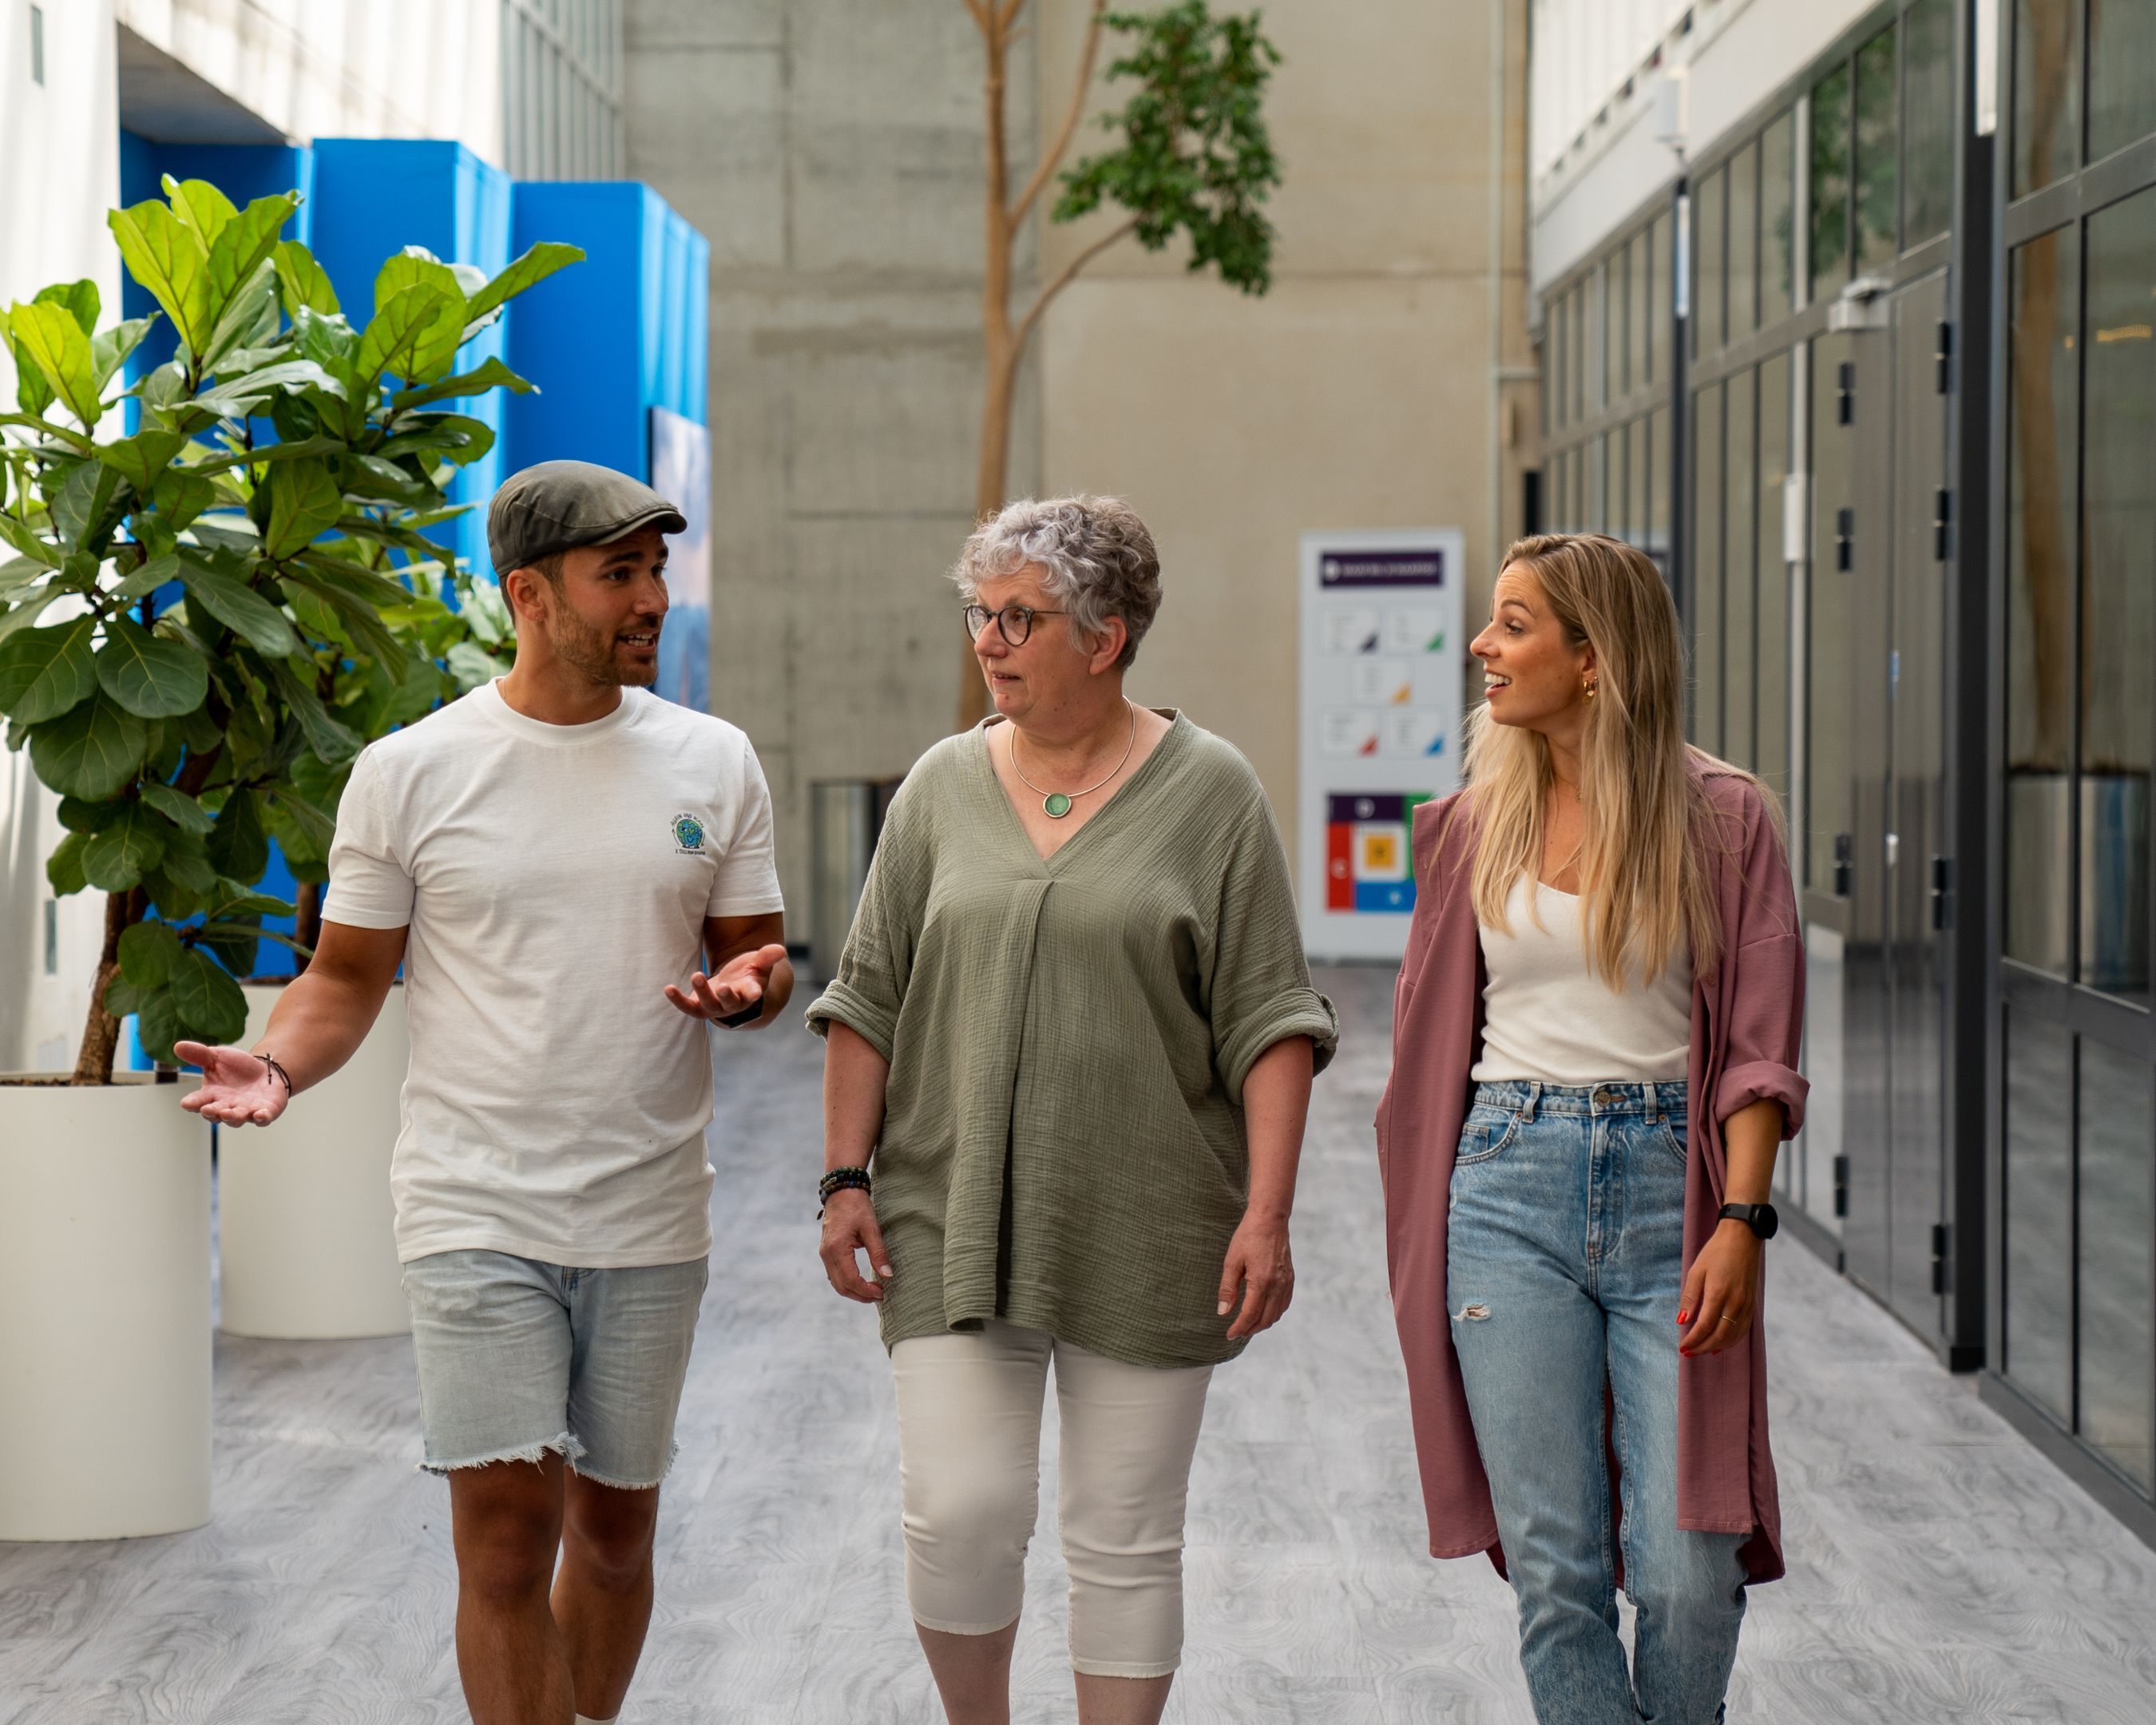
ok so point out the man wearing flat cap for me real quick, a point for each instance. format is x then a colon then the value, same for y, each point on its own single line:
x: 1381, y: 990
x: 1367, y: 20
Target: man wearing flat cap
x: 577, y: 877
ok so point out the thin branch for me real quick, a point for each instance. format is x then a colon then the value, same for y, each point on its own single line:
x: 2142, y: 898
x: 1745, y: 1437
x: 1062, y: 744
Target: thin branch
x: 1064, y: 280
x: 1010, y: 14
x: 1052, y: 158
x: 980, y: 10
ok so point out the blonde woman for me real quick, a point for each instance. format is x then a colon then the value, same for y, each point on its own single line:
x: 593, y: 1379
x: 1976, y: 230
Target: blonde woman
x: 1595, y: 1039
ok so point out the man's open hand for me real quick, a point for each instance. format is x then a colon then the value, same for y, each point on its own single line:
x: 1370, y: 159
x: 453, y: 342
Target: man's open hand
x: 739, y: 985
x: 238, y: 1088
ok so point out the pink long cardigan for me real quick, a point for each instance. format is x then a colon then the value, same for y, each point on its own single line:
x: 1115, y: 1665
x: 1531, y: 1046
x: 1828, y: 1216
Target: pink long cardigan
x: 1746, y: 1023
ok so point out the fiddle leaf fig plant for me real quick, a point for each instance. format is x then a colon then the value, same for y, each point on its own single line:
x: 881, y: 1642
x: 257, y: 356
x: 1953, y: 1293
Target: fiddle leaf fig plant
x: 203, y: 620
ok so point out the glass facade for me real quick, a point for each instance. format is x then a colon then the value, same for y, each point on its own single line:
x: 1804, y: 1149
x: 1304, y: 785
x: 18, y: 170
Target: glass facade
x: 1855, y: 620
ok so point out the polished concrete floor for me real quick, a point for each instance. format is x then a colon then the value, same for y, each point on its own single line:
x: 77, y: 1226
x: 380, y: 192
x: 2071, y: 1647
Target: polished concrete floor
x: 1940, y: 1570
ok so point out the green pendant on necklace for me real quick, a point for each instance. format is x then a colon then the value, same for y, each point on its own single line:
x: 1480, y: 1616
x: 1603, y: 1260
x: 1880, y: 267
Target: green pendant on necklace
x: 1055, y: 805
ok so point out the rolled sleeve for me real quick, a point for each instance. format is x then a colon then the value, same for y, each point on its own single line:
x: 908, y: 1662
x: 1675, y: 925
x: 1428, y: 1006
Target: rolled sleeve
x: 1261, y: 990
x: 876, y: 963
x: 1293, y: 1012
x: 1766, y: 990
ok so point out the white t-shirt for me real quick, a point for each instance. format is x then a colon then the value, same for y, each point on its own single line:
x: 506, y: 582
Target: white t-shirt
x: 1547, y: 1016
x: 555, y: 879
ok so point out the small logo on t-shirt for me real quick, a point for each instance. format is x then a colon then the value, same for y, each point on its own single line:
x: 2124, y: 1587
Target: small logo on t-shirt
x: 688, y: 835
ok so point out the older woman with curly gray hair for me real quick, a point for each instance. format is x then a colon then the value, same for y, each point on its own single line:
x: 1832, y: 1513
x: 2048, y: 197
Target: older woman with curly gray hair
x: 1070, y: 1045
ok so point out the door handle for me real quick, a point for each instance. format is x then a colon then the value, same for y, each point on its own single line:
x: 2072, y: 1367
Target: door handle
x: 1893, y: 849
x: 1942, y: 893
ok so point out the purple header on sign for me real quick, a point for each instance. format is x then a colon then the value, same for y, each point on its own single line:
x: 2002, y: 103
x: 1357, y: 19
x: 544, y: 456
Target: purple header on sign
x: 1380, y: 568
x: 1373, y: 805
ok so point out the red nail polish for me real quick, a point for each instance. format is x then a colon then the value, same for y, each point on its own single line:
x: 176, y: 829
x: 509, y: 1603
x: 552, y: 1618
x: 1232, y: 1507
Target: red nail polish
x: 1683, y: 1318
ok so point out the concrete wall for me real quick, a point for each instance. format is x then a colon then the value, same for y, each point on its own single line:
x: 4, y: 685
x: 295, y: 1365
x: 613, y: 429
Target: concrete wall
x: 831, y: 151
x: 1368, y: 389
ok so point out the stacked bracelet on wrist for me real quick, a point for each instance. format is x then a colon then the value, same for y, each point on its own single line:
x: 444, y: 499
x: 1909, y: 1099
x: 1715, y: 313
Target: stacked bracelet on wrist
x: 840, y: 1179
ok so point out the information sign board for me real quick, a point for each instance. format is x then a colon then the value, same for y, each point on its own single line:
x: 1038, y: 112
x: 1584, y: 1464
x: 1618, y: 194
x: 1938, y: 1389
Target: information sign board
x: 1381, y: 707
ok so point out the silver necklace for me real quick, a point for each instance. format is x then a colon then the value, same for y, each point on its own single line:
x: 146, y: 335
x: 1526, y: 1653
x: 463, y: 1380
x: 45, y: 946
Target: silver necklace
x: 1055, y: 804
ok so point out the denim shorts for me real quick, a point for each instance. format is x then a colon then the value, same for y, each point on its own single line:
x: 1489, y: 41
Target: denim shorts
x: 518, y: 1358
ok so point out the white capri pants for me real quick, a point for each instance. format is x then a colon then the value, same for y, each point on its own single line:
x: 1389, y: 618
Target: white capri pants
x: 969, y: 1467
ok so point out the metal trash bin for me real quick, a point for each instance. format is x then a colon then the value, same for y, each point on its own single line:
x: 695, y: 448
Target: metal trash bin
x: 845, y: 816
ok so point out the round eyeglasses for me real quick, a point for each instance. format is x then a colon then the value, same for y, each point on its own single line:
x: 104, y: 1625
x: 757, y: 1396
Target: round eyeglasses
x: 1015, y: 622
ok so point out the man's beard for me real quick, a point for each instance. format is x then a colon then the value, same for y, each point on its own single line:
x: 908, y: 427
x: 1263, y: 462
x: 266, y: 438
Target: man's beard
x: 578, y: 644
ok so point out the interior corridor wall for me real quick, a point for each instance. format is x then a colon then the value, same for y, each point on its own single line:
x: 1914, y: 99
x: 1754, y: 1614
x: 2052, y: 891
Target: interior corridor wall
x: 1385, y: 381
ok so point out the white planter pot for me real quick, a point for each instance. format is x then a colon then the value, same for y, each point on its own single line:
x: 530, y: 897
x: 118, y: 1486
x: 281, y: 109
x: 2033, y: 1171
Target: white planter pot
x: 305, y: 1228
x: 105, y: 1345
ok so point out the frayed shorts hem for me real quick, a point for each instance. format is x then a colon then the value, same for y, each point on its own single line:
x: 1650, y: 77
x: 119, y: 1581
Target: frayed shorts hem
x: 566, y: 1446
x: 1112, y: 1668
x: 583, y: 1472
x: 967, y: 1628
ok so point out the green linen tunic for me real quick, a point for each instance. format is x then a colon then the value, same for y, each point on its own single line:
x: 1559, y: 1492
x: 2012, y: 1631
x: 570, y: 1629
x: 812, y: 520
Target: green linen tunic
x: 1063, y: 1143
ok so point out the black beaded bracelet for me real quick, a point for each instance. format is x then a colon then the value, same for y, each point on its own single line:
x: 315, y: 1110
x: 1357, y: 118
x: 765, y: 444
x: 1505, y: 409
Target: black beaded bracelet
x: 840, y: 1179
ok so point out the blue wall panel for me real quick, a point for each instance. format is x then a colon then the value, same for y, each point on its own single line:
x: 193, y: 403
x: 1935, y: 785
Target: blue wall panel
x: 376, y: 195
x: 610, y: 338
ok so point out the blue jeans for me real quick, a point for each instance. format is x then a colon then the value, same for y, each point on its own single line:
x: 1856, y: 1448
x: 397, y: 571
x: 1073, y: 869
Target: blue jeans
x: 1564, y: 1268
x: 518, y: 1358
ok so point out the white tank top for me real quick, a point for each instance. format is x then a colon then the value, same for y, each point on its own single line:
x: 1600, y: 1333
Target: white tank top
x: 1548, y: 1016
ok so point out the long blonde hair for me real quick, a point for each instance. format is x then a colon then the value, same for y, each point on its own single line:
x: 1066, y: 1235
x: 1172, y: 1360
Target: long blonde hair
x: 1644, y: 883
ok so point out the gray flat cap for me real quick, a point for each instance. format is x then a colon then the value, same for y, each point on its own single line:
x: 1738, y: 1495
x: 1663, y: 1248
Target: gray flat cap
x: 559, y: 504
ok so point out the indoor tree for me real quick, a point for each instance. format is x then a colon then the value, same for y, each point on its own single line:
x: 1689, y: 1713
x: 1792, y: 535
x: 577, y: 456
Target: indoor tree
x: 244, y: 590
x: 1192, y: 157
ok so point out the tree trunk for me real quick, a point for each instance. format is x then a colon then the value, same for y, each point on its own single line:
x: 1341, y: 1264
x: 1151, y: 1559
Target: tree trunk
x: 307, y: 925
x: 996, y: 340
x: 100, y: 1034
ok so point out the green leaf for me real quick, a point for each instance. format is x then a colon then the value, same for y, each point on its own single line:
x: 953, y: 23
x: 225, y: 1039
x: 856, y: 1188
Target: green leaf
x: 157, y: 1026
x: 535, y: 266
x: 242, y: 338
x: 149, y: 577
x: 122, y: 851
x: 234, y: 945
x: 109, y: 352
x: 167, y: 257
x: 19, y: 573
x: 147, y: 953
x: 91, y: 751
x: 27, y: 609
x: 45, y: 671
x: 142, y: 459
x: 186, y: 874
x: 310, y: 820
x: 153, y: 678
x: 63, y: 867
x: 37, y: 550
x: 79, y: 299
x: 84, y: 511
x: 240, y: 396
x: 122, y: 997
x: 435, y: 349
x: 407, y: 322
x: 78, y: 816
x: 305, y: 503
x: 327, y: 339
x: 57, y: 346
x: 333, y: 742
x: 457, y: 437
x: 491, y: 374
x: 353, y: 621
x: 181, y: 495
x: 238, y: 845
x: 302, y: 282
x: 200, y: 205
x: 183, y: 811
x: 272, y: 452
x: 230, y: 900
x: 237, y: 605
x: 206, y: 999
x: 33, y: 393
x: 243, y: 245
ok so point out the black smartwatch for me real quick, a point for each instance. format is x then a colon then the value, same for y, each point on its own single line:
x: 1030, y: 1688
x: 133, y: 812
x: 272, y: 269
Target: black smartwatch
x: 1759, y: 1217
x: 747, y: 1015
